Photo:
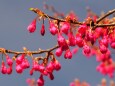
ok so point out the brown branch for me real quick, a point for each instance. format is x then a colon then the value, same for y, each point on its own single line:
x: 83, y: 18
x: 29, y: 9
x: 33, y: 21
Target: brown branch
x: 63, y: 20
x: 39, y: 12
x: 42, y: 14
x: 104, y: 25
x: 32, y: 52
x: 107, y: 14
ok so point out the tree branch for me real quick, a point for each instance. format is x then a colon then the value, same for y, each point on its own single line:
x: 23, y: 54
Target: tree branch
x: 104, y: 25
x: 40, y: 13
x: 40, y: 51
x: 107, y: 14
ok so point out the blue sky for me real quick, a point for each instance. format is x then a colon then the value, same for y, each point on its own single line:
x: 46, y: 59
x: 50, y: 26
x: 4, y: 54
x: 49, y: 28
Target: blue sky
x: 14, y: 19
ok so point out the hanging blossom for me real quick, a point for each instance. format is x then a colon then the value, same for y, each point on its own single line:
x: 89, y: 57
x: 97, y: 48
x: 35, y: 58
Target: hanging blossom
x: 32, y: 26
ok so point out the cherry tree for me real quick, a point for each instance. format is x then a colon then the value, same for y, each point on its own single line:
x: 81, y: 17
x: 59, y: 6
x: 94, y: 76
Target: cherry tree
x: 95, y: 36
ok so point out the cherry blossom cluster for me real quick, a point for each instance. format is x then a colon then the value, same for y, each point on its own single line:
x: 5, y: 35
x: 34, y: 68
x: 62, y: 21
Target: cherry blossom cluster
x: 78, y: 82
x: 89, y: 36
x: 45, y: 68
x: 4, y: 68
x: 95, y: 36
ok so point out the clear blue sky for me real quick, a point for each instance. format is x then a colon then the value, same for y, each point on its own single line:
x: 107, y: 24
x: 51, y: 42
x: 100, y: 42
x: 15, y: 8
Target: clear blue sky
x: 14, y: 19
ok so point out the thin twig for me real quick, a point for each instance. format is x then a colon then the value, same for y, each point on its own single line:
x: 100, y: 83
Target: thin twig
x: 40, y: 13
x: 36, y: 10
x: 107, y: 14
x: 32, y: 52
x: 104, y: 25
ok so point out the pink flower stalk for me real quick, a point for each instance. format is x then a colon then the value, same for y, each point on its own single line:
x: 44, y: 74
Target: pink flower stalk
x: 32, y: 26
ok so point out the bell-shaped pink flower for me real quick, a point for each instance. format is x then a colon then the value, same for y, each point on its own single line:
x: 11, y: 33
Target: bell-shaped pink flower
x: 103, y: 49
x: 71, y: 38
x: 51, y: 76
x: 35, y: 66
x: 3, y: 68
x: 50, y: 67
x: 40, y: 81
x: 32, y: 26
x: 65, y: 27
x: 9, y: 70
x: 104, y: 41
x: 112, y: 45
x: 9, y: 61
x: 20, y: 58
x: 86, y: 49
x: 42, y: 31
x: 25, y: 64
x: 79, y: 41
x: 57, y: 65
x: 58, y: 52
x: 68, y: 54
x: 82, y: 29
x: 53, y: 29
x: 19, y: 69
x: 61, y: 40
